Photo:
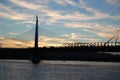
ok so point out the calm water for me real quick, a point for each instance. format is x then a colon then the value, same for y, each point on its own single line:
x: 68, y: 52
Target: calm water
x: 59, y: 70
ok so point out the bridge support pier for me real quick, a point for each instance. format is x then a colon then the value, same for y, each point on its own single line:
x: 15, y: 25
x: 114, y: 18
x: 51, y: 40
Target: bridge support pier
x: 35, y: 57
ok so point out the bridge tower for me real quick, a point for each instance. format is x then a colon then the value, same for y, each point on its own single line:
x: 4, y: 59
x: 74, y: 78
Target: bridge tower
x: 36, y: 34
x: 36, y: 55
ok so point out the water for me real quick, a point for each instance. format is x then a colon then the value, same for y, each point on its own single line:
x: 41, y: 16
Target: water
x: 59, y: 70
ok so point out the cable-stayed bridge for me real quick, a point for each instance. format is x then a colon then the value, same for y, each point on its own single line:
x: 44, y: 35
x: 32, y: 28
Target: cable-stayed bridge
x: 42, y: 44
x: 50, y: 39
x: 47, y: 38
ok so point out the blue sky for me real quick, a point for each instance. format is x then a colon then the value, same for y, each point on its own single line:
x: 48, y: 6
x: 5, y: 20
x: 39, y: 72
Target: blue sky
x: 77, y: 20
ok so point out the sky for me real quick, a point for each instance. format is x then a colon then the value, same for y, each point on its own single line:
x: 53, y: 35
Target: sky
x: 71, y: 20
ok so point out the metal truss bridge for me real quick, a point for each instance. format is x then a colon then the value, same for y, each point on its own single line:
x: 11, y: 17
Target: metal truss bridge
x: 86, y: 44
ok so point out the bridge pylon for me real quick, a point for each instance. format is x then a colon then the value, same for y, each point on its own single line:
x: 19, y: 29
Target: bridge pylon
x: 36, y: 55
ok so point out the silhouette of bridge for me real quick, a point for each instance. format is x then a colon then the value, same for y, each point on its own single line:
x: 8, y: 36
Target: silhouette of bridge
x: 63, y: 51
x: 47, y: 38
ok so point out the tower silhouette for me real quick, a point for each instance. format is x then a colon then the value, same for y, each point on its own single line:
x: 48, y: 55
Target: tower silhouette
x: 36, y: 33
x: 35, y: 54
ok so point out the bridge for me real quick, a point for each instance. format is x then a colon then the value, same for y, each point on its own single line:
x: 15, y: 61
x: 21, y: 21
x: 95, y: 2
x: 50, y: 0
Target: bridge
x: 95, y: 44
x: 63, y: 51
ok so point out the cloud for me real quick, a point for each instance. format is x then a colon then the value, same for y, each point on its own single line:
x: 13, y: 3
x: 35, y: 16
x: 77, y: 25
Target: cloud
x: 82, y: 25
x: 105, y: 31
x: 12, y: 43
x: 13, y: 33
x: 26, y: 22
x: 55, y: 16
x: 77, y: 38
x: 45, y: 41
x: 46, y: 15
x: 64, y: 38
x: 51, y: 16
x: 61, y: 2
x: 72, y: 36
x: 76, y: 16
x: 58, y: 17
x: 12, y: 14
x: 97, y: 14
x: 25, y: 4
x: 1, y: 37
x: 89, y: 9
x: 70, y: 2
x: 52, y: 41
x: 113, y: 2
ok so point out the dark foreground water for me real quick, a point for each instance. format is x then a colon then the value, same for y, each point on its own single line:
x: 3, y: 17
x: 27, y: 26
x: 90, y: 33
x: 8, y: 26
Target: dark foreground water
x: 59, y: 70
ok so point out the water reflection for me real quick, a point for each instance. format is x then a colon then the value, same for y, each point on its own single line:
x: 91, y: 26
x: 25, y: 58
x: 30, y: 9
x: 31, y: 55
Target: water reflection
x: 51, y: 71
